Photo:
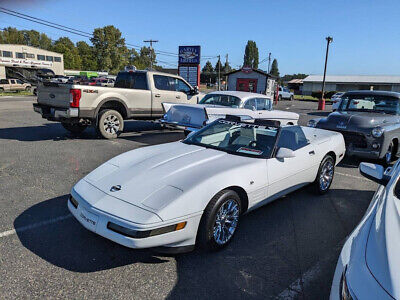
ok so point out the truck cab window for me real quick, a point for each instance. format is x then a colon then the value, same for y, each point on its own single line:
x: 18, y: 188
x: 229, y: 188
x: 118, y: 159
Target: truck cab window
x: 182, y: 87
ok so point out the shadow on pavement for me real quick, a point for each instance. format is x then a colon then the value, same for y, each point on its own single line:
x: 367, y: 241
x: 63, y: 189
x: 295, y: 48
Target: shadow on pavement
x: 68, y: 245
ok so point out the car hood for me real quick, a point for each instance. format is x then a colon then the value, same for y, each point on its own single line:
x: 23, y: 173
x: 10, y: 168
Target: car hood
x: 382, y: 253
x: 150, y: 175
x: 345, y: 119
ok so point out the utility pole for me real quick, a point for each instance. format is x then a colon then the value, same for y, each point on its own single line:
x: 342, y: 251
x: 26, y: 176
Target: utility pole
x: 321, y: 103
x: 219, y: 72
x: 151, y: 51
x: 226, y: 77
x: 269, y: 61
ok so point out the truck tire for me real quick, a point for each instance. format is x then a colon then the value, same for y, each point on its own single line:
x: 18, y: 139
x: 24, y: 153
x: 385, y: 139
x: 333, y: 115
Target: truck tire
x: 110, y: 124
x: 74, y: 128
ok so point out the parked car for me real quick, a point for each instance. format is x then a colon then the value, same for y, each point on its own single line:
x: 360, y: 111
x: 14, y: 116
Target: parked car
x: 14, y: 85
x: 369, y: 122
x: 215, y: 105
x: 196, y: 190
x: 285, y: 93
x: 60, y: 79
x: 136, y: 94
x: 335, y: 99
x: 369, y: 263
x: 102, y: 82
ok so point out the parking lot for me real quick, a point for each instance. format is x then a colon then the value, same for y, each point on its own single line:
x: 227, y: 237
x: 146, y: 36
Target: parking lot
x: 287, y: 249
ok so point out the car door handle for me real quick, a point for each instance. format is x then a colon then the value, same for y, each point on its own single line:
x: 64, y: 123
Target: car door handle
x: 312, y: 152
x: 157, y: 95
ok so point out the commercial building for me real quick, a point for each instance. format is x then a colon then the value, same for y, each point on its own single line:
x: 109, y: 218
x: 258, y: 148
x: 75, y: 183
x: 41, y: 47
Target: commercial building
x: 26, y: 57
x: 251, y: 80
x: 344, y: 83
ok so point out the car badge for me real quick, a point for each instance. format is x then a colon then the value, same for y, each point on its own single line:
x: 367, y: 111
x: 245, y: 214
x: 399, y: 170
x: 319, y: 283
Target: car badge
x: 341, y: 125
x: 115, y: 188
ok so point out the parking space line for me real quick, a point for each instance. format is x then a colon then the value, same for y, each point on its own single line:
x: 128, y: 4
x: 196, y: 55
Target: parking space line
x: 34, y: 226
x: 352, y: 176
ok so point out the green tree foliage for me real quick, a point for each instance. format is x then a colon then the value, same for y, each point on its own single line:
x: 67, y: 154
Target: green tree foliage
x: 72, y: 59
x: 251, y: 55
x: 274, y: 68
x: 288, y: 77
x: 12, y: 35
x: 226, y: 68
x: 109, y: 49
x: 85, y: 51
x: 208, y: 68
x: 218, y: 66
x: 142, y: 60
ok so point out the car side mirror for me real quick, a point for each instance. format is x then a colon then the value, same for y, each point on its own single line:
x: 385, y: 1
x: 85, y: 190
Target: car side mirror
x: 194, y: 91
x: 285, y: 153
x: 374, y: 172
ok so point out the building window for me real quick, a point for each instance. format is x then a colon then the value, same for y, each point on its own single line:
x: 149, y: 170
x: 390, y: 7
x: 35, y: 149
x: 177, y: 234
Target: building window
x: 49, y: 58
x: 7, y: 54
x: 41, y: 57
x: 57, y: 59
x: 30, y: 55
x: 19, y: 55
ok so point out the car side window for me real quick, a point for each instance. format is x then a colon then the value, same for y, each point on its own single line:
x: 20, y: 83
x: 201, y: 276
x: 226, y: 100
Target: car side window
x: 293, y: 138
x: 182, y: 86
x: 164, y: 83
x: 19, y: 81
x: 263, y: 104
x: 250, y: 104
x: 3, y: 81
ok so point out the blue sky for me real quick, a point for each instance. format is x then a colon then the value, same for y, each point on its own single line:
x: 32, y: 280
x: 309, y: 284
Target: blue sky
x: 366, y: 33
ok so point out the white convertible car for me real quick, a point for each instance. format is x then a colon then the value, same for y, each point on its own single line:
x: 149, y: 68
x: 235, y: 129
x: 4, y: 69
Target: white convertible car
x: 216, y: 105
x: 196, y: 190
x: 369, y: 264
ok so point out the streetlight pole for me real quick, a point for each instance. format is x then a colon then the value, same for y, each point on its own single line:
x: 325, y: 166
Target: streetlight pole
x: 151, y: 51
x: 321, y: 103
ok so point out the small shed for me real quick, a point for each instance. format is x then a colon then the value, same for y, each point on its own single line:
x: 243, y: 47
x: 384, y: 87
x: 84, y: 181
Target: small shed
x: 253, y: 80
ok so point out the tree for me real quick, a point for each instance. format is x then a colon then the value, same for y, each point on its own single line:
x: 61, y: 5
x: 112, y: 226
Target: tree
x: 72, y: 60
x: 86, y: 54
x: 109, y: 49
x: 12, y: 35
x: 226, y: 68
x: 274, y: 68
x: 288, y: 77
x: 208, y: 68
x: 251, y: 55
x: 142, y: 60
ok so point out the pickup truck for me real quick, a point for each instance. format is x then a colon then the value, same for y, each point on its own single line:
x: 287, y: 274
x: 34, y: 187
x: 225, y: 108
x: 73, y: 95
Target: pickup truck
x: 135, y: 95
x: 285, y: 93
x: 14, y: 85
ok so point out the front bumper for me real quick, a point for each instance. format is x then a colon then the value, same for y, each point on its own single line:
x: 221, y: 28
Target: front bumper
x: 97, y: 221
x: 55, y: 113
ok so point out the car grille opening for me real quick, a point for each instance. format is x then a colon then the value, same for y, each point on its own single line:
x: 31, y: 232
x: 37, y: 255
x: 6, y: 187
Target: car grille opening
x: 357, y: 140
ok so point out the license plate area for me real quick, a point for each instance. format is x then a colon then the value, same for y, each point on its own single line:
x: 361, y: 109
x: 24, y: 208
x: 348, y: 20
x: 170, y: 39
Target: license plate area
x: 88, y: 219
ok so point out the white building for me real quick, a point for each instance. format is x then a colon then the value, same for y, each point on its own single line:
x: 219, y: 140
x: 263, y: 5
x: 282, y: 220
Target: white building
x: 344, y: 83
x: 21, y: 56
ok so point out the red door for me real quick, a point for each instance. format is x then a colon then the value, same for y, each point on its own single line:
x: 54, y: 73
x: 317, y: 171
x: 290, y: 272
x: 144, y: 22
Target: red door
x: 246, y: 85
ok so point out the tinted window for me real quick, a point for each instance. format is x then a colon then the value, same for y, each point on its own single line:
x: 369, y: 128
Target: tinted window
x: 19, y: 81
x: 250, y: 104
x: 3, y: 81
x: 131, y: 80
x: 182, y: 86
x: 140, y: 81
x: 7, y: 54
x: 164, y: 83
x: 370, y: 103
x: 292, y: 137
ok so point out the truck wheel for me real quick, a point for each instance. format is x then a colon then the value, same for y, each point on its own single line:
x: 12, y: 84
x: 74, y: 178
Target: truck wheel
x: 74, y: 127
x: 111, y: 124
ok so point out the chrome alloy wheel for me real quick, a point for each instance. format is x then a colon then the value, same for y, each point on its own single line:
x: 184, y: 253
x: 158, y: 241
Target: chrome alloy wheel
x: 326, y: 175
x: 226, y: 222
x: 111, y: 124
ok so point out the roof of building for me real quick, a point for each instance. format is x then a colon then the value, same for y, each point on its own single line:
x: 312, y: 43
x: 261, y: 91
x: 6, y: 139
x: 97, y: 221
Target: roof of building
x: 299, y: 81
x: 354, y: 79
x: 25, y: 46
x: 254, y: 70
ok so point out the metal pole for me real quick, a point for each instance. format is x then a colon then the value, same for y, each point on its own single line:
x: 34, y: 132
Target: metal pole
x: 219, y: 72
x: 151, y: 51
x: 321, y: 103
x: 269, y: 61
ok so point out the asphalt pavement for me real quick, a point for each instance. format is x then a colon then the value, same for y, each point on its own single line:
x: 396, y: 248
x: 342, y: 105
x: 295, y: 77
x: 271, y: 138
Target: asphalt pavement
x: 287, y: 249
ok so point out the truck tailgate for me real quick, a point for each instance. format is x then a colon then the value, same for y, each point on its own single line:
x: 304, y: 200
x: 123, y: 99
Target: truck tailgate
x: 54, y: 94
x: 189, y: 115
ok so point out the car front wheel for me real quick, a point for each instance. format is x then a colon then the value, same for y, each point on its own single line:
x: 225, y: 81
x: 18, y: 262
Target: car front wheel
x: 219, y: 221
x: 325, y: 175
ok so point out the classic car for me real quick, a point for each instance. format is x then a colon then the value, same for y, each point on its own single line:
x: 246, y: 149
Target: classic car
x: 369, y: 122
x: 369, y: 263
x: 195, y: 191
x: 215, y: 105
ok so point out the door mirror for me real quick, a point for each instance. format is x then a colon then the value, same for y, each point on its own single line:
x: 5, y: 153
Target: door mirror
x: 285, y: 153
x: 374, y: 172
x: 194, y: 91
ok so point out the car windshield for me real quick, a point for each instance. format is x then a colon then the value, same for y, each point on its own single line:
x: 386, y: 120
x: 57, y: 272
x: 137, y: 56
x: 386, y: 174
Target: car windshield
x: 239, y: 138
x: 219, y: 99
x: 370, y: 103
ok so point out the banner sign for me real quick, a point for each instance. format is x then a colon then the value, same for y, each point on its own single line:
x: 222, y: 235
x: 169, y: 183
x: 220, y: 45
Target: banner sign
x: 24, y: 62
x: 189, y: 55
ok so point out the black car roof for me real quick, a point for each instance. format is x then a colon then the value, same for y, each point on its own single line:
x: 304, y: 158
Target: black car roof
x: 368, y: 92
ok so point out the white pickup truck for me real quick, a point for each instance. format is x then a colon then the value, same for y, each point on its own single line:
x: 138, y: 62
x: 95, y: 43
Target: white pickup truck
x: 136, y: 94
x: 285, y: 93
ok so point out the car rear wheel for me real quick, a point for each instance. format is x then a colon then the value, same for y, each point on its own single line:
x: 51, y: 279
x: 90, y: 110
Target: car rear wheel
x: 74, y: 128
x: 325, y: 175
x: 110, y: 124
x: 219, y: 221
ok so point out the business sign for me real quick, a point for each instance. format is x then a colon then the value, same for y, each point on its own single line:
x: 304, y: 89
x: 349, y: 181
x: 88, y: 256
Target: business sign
x: 189, y: 55
x: 190, y: 74
x: 14, y: 62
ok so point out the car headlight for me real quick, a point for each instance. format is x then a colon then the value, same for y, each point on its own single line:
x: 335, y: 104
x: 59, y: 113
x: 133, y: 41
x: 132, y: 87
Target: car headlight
x: 377, y: 132
x: 312, y: 123
x: 345, y: 293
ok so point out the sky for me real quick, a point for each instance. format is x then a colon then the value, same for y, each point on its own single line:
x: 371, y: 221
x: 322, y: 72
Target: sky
x: 366, y: 35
